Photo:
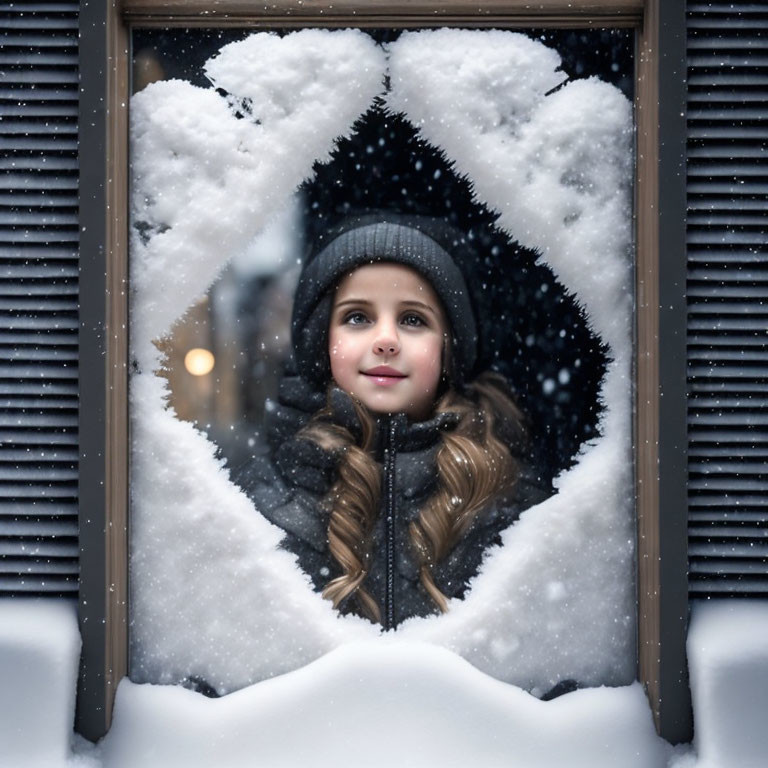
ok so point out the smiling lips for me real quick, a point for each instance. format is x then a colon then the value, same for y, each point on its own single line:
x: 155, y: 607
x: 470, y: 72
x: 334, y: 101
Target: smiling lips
x: 384, y: 375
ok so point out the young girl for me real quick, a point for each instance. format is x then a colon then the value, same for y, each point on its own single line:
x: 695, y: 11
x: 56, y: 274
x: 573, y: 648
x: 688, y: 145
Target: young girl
x: 393, y: 469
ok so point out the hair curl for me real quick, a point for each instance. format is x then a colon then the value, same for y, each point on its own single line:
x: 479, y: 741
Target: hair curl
x: 473, y: 465
x: 353, y: 503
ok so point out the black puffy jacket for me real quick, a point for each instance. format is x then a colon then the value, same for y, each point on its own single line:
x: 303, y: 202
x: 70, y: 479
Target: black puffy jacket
x: 288, y: 488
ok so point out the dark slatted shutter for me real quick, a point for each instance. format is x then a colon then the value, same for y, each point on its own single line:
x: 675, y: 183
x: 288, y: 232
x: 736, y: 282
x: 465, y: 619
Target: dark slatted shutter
x: 38, y: 298
x: 728, y: 297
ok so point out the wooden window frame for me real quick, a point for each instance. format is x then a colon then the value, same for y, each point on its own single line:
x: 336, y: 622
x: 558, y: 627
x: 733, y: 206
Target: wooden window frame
x: 660, y: 428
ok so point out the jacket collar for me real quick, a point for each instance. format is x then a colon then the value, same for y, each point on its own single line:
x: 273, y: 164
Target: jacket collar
x: 407, y: 435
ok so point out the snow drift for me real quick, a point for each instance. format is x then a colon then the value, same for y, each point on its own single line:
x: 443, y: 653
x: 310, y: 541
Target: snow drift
x: 385, y: 704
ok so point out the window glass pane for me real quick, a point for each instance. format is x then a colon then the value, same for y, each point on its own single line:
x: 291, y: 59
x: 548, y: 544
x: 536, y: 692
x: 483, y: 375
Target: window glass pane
x: 488, y: 173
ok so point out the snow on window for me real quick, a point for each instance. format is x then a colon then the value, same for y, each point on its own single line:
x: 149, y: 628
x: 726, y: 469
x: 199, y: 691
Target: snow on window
x: 215, y: 175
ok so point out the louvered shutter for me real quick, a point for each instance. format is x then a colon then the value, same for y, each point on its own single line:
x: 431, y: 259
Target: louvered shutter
x: 38, y: 298
x: 728, y: 298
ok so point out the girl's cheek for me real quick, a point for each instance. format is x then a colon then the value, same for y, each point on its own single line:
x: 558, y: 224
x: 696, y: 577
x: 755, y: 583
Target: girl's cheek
x: 335, y: 348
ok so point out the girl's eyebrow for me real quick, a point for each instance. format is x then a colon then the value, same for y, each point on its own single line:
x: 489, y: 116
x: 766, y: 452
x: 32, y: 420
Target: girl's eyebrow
x: 406, y: 303
x: 420, y: 305
x: 354, y: 301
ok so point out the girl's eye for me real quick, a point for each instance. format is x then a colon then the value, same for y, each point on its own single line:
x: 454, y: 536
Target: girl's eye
x: 355, y: 318
x: 413, y: 320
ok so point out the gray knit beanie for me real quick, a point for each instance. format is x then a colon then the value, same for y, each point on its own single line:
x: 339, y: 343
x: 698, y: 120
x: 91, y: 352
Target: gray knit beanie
x: 421, y: 243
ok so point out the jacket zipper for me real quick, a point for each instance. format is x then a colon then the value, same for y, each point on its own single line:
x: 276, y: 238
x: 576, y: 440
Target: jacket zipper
x: 389, y: 524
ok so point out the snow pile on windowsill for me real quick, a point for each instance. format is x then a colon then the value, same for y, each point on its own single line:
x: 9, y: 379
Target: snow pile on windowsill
x: 383, y: 704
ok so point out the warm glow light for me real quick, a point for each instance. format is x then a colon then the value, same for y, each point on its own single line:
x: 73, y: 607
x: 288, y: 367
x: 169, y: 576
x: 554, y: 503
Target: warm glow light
x: 198, y: 361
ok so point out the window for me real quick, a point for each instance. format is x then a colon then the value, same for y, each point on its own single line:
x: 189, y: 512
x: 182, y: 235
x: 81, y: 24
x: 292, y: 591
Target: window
x: 94, y: 577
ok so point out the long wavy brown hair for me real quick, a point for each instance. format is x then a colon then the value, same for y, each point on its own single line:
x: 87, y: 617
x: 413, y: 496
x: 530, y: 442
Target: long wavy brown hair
x: 474, y: 466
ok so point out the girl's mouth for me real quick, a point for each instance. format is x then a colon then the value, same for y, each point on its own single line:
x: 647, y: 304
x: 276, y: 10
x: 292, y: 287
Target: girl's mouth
x: 384, y: 375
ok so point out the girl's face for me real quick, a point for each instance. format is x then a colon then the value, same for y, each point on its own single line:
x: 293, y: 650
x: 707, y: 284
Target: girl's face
x: 386, y: 339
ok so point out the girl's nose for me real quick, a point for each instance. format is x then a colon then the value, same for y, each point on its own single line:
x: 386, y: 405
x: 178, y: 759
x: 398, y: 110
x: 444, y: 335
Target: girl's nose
x: 386, y: 348
x: 386, y: 343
